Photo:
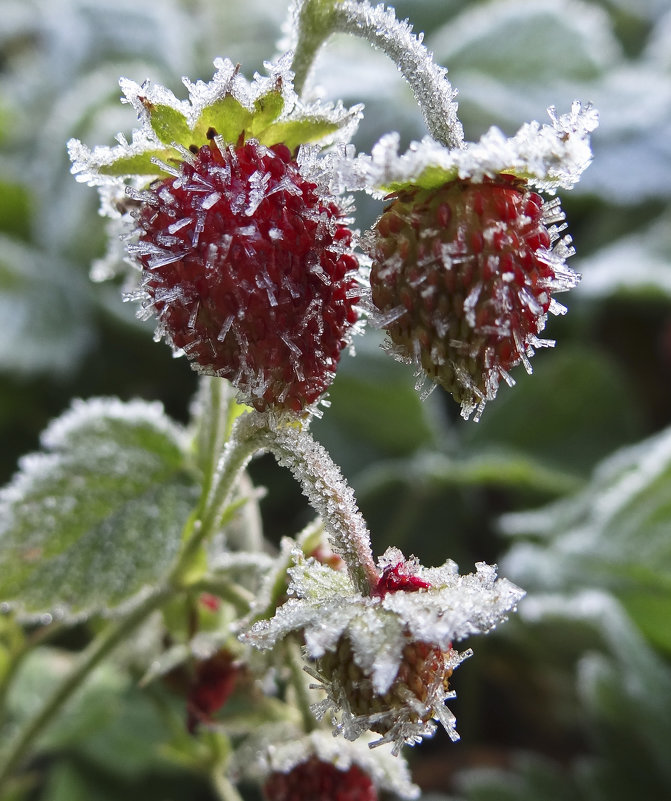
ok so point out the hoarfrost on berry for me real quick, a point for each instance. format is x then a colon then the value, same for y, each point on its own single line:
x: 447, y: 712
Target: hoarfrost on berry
x: 390, y: 641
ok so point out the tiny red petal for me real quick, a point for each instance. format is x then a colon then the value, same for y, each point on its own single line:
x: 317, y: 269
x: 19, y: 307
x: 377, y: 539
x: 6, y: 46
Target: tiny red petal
x: 396, y: 577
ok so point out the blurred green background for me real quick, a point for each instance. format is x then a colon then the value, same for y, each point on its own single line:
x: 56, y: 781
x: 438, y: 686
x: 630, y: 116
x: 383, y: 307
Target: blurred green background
x: 565, y: 482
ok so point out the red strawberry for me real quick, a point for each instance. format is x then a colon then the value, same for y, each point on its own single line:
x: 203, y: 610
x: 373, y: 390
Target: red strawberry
x: 462, y: 276
x: 249, y: 270
x: 315, y: 780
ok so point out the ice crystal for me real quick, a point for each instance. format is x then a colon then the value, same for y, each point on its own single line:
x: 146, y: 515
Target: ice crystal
x: 159, y: 133
x: 549, y: 157
x: 369, y: 650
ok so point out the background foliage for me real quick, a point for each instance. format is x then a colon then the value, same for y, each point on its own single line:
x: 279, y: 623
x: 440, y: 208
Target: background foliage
x: 565, y: 482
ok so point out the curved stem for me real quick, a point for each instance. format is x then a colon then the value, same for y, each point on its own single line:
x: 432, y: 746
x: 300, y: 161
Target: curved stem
x: 91, y: 657
x: 318, y: 19
x: 331, y: 497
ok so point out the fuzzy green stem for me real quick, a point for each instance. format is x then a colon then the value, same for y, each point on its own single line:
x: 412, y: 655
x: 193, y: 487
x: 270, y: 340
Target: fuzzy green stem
x: 331, y: 497
x: 239, y: 449
x: 299, y: 683
x: 319, y: 19
x: 90, y: 658
x: 222, y: 786
x: 237, y: 596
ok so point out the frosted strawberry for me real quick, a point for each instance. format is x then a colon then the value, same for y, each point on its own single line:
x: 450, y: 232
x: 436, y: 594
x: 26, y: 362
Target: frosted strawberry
x: 315, y: 780
x: 245, y: 254
x: 467, y: 255
x: 385, y: 659
x: 249, y: 269
x: 464, y: 274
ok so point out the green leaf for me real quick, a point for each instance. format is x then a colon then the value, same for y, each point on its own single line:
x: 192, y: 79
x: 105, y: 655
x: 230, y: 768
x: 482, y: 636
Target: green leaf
x: 375, y: 411
x: 227, y: 116
x: 98, y: 515
x: 168, y: 124
x: 140, y: 164
x: 533, y: 43
x: 575, y: 409
x: 614, y: 534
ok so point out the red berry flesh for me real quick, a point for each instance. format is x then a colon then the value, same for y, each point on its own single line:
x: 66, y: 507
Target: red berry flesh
x: 462, y: 277
x: 249, y: 270
x: 315, y: 780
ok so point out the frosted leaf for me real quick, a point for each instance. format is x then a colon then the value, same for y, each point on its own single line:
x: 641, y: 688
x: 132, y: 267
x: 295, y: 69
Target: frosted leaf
x: 519, y: 43
x: 609, y: 271
x: 612, y: 532
x: 550, y: 156
x: 96, y: 517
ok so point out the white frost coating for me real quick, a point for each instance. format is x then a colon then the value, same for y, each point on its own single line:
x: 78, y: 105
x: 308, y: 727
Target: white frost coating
x: 278, y: 748
x: 429, y: 82
x: 550, y: 156
x: 325, y: 607
x: 93, y: 414
x: 330, y: 496
x: 87, y: 162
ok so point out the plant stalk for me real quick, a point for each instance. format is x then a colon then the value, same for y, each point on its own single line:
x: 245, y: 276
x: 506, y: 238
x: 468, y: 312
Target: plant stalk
x: 90, y: 658
x: 317, y: 20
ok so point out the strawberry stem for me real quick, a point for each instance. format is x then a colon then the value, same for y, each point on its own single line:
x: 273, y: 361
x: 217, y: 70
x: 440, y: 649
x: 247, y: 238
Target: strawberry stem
x: 330, y: 496
x: 318, y: 19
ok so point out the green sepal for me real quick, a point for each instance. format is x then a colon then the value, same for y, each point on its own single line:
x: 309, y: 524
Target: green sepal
x: 267, y: 109
x: 168, y: 124
x: 430, y: 178
x: 434, y: 177
x: 293, y: 133
x: 140, y: 164
x: 227, y: 116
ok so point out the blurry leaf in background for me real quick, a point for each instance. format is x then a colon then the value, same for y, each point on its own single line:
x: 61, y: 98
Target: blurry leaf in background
x: 375, y: 410
x: 98, y: 516
x: 634, y: 266
x: 573, y: 410
x: 111, y: 724
x: 615, y: 534
x: 44, y: 312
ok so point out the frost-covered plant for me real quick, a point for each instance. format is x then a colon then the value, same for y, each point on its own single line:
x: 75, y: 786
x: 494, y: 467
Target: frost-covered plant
x: 232, y: 212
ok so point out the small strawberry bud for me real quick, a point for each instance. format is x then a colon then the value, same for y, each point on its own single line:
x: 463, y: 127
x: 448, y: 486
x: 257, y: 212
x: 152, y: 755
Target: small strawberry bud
x: 315, y: 780
x: 211, y: 687
x: 414, y: 698
x: 462, y: 278
x: 249, y: 270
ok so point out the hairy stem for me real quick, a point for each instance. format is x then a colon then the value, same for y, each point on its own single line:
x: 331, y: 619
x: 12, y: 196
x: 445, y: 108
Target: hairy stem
x: 299, y: 682
x: 331, y: 497
x: 318, y: 19
x: 242, y: 444
x: 89, y: 659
